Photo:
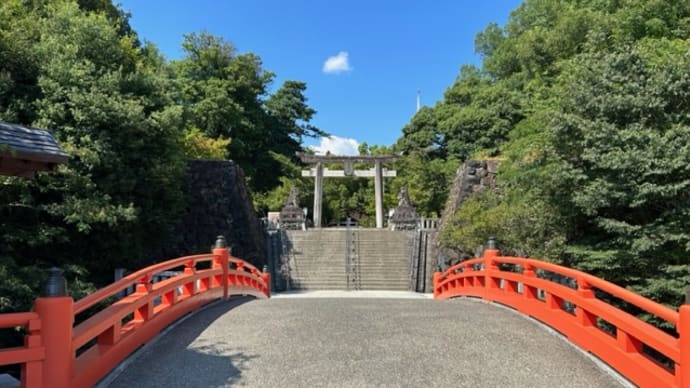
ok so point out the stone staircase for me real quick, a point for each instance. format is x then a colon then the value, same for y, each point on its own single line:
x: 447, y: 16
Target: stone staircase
x: 380, y: 259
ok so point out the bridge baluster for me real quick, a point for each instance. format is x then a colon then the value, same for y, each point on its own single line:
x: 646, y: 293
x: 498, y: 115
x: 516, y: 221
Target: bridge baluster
x: 32, y: 371
x: 189, y: 268
x: 144, y: 284
x: 628, y: 343
x: 584, y: 290
x: 189, y: 289
x: 553, y: 302
x: 145, y: 312
x: 241, y: 277
x: 529, y: 291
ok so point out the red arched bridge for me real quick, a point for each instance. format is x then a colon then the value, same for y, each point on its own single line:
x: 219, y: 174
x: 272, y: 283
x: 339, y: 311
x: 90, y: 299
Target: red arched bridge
x: 460, y: 343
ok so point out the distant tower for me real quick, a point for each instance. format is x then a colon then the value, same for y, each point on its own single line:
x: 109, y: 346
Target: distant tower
x: 419, y: 100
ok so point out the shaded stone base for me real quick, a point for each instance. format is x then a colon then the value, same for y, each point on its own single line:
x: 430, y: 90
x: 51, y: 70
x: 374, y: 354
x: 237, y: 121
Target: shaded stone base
x: 217, y: 203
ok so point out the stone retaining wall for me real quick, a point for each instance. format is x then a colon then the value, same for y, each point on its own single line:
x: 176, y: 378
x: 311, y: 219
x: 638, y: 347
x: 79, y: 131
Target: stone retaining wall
x: 217, y: 203
x: 473, y: 176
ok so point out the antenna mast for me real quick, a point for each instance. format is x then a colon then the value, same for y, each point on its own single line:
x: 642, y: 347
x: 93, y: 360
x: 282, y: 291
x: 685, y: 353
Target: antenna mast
x: 419, y: 100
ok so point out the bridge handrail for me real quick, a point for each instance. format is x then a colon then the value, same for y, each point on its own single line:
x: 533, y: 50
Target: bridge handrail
x: 32, y: 353
x: 244, y: 265
x: 622, y: 340
x: 61, y: 355
x: 613, y: 289
x: 144, y: 274
x: 10, y: 320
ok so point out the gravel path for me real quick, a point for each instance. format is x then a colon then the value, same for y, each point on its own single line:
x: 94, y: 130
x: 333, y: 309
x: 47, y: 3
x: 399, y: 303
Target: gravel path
x: 360, y: 342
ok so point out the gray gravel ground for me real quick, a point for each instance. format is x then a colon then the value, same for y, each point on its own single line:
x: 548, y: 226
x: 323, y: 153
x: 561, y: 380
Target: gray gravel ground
x: 327, y: 342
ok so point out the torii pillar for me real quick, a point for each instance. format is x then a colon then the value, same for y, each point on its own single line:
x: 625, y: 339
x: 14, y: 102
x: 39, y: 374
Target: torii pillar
x: 318, y: 194
x: 378, y: 193
x: 319, y: 172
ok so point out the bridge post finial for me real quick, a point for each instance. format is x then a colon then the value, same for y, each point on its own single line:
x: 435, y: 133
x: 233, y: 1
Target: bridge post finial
x: 55, y: 284
x: 221, y: 242
x: 492, y: 243
x: 266, y: 276
x: 222, y: 261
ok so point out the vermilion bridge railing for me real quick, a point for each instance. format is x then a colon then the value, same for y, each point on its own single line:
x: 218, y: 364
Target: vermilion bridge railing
x: 58, y: 354
x: 578, y: 309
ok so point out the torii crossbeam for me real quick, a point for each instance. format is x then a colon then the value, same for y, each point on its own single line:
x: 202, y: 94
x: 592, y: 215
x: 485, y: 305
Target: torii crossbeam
x: 319, y: 172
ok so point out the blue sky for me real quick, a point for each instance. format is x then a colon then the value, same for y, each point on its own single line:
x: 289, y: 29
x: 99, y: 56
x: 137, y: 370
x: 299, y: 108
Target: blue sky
x: 381, y: 52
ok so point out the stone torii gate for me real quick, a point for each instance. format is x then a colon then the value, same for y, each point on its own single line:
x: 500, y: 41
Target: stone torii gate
x: 319, y: 172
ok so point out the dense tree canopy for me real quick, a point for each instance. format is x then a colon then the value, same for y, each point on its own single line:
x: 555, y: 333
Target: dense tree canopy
x: 585, y: 102
x: 224, y: 98
x: 128, y: 119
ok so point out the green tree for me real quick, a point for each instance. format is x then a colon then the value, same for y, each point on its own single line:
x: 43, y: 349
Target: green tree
x: 585, y: 104
x: 622, y: 141
x: 286, y: 123
x: 427, y: 180
x: 527, y: 228
x: 19, y: 65
x: 107, y: 101
x: 199, y: 146
x: 225, y: 95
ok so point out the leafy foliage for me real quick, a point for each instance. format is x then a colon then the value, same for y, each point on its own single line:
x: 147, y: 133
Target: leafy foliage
x: 224, y: 96
x: 622, y: 137
x: 128, y: 119
x: 527, y: 228
x: 586, y: 102
x: 199, y: 146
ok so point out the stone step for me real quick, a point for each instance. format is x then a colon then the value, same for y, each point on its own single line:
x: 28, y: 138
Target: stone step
x: 368, y: 267
x: 341, y: 266
x: 344, y: 287
x: 342, y: 249
x: 381, y: 260
x: 383, y: 285
x: 342, y: 237
x: 322, y: 283
x: 383, y: 264
x: 343, y: 278
x: 394, y: 274
x: 344, y: 281
x: 320, y: 275
x: 370, y: 256
x: 316, y: 255
x: 358, y: 263
x: 363, y: 271
x: 387, y: 288
x: 343, y: 244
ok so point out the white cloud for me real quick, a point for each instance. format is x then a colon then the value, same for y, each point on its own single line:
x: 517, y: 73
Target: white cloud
x: 337, y: 64
x: 337, y: 146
